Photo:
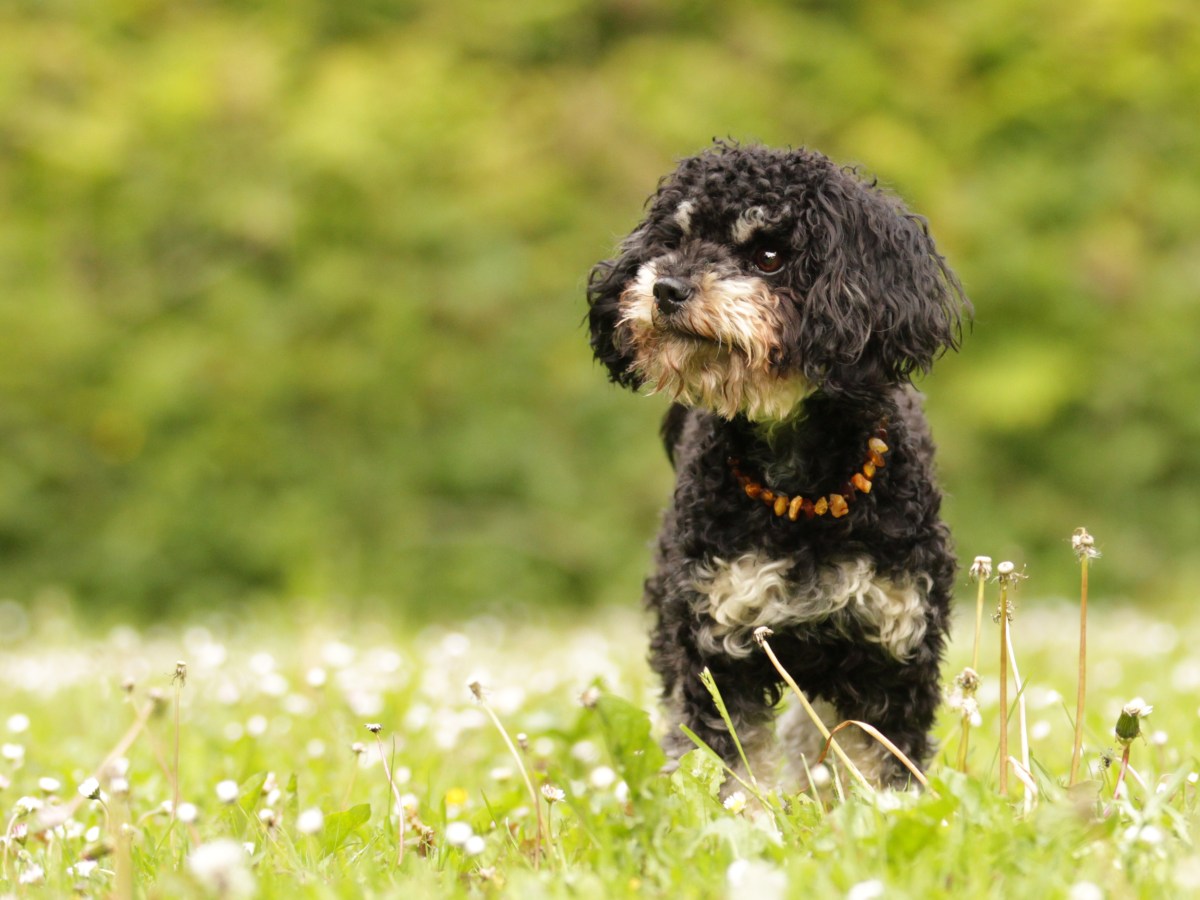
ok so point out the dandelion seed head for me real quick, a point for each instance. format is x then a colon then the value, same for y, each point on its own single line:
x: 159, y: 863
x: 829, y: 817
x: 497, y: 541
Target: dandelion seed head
x: 268, y: 817
x: 981, y: 569
x: 316, y: 677
x: 187, y: 813
x: 475, y: 845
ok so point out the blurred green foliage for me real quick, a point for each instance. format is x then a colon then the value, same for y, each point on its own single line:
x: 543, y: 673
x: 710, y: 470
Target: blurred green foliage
x: 291, y: 293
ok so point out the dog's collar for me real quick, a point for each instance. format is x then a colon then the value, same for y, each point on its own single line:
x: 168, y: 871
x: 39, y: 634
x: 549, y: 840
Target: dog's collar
x: 837, y: 505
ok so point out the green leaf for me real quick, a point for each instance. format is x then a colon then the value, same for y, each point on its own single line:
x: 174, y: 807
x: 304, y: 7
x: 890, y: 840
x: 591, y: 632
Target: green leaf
x: 251, y: 791
x: 627, y: 733
x: 340, y: 825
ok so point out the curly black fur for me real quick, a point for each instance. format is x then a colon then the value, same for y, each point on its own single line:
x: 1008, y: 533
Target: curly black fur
x: 862, y: 301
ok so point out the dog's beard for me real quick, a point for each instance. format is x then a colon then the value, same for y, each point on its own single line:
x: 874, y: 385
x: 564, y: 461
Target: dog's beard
x: 715, y: 352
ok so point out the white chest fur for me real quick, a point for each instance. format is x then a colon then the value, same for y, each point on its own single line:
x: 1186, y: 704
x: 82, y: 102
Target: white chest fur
x: 847, y: 597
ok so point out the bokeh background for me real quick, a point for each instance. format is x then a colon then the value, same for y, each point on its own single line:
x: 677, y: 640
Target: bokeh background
x: 291, y: 293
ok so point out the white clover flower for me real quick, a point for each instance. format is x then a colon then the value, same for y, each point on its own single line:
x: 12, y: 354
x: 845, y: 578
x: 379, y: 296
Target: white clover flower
x: 84, y: 868
x: 14, y: 753
x: 755, y: 878
x: 32, y: 874
x: 621, y: 792
x: 315, y: 748
x: 602, y: 778
x: 18, y: 723
x: 474, y: 845
x: 310, y: 821
x: 458, y: 833
x: 735, y: 802
x: 90, y: 789
x: 119, y: 786
x: 187, y: 813
x: 316, y: 677
x: 222, y: 866
x: 227, y: 791
x: 553, y: 794
x: 92, y: 834
x: 1085, y: 890
x: 48, y: 785
x: 866, y: 890
x: 26, y: 805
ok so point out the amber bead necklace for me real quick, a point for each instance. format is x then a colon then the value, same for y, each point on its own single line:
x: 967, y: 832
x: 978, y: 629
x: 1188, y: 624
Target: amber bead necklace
x: 837, y: 505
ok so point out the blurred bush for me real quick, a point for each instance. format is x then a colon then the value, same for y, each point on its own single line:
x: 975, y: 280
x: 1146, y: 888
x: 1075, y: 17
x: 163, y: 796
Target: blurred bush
x: 291, y: 293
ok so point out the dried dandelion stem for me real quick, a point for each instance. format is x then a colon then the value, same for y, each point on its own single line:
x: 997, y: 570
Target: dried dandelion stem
x: 1005, y: 570
x: 981, y: 571
x: 477, y: 691
x: 1022, y: 727
x: 761, y: 634
x: 179, y: 680
x: 887, y: 745
x: 375, y: 729
x: 1084, y: 546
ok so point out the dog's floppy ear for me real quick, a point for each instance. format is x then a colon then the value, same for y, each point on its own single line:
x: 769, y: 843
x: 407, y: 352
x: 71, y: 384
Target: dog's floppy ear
x: 881, y: 302
x: 606, y: 283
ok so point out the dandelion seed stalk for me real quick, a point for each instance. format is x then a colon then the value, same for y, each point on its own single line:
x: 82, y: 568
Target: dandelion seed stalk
x: 179, y: 680
x: 387, y: 771
x: 1085, y: 549
x: 760, y: 635
x: 1005, y: 570
x: 477, y: 691
x: 981, y: 571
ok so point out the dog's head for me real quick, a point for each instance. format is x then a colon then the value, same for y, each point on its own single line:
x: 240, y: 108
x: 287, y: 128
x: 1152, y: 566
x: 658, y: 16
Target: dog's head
x: 759, y: 276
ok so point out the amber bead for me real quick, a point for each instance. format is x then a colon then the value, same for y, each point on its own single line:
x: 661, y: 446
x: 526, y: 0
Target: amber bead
x: 768, y: 496
x: 877, y: 445
x: 875, y: 459
x: 753, y: 490
x: 869, y: 469
x: 821, y: 506
x: 861, y: 482
x: 838, y: 506
x: 781, y: 505
x: 794, y: 508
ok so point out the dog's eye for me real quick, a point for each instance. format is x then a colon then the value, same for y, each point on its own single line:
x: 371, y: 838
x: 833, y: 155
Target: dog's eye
x: 767, y: 260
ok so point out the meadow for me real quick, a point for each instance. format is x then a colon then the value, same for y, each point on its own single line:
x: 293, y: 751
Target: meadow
x: 271, y: 753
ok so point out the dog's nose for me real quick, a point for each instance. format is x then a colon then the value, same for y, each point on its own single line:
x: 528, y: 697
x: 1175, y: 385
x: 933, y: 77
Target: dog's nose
x: 671, y: 293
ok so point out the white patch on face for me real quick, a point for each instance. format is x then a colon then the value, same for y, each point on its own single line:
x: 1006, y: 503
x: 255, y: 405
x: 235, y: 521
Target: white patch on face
x: 848, y: 598
x: 683, y: 216
x: 716, y: 351
x: 750, y: 221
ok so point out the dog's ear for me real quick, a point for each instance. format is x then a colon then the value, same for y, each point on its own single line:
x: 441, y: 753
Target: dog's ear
x: 881, y: 302
x: 606, y: 283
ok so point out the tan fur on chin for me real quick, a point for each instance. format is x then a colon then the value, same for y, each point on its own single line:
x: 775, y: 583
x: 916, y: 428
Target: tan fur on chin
x: 716, y: 353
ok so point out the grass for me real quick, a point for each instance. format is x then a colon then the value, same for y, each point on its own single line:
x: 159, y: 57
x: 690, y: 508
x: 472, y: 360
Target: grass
x: 280, y: 708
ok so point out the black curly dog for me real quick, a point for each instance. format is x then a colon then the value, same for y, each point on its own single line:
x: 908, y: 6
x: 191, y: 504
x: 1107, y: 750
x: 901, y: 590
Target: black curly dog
x: 783, y: 304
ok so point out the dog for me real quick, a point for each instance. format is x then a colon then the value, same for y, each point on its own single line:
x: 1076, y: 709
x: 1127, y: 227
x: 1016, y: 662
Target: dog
x: 784, y: 303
